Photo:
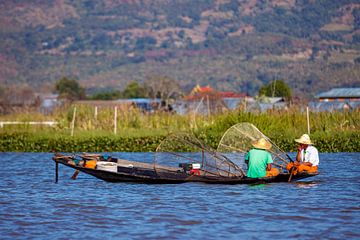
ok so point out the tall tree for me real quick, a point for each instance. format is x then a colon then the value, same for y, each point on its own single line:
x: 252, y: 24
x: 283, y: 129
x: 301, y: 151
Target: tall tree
x: 112, y: 95
x: 18, y: 98
x: 276, y: 88
x: 69, y: 89
x: 162, y: 87
x: 134, y: 90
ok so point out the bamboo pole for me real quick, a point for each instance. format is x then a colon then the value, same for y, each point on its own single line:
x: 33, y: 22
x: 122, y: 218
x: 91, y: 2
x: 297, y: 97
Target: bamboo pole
x: 308, y: 120
x: 208, y: 104
x: 198, y: 106
x: 73, y: 122
x: 195, y: 112
x: 245, y: 105
x: 56, y: 172
x: 115, y: 120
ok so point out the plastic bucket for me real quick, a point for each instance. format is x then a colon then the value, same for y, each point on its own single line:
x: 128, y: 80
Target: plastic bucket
x: 90, y: 164
x: 107, y: 166
x: 196, y: 166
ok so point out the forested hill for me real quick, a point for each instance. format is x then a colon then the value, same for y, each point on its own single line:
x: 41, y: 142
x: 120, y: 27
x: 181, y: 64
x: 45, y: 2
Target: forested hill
x: 236, y: 45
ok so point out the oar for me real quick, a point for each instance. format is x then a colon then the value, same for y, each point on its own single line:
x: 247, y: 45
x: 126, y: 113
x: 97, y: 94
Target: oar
x: 73, y: 177
x: 85, y: 157
x: 292, y: 170
x: 291, y: 173
x: 76, y: 173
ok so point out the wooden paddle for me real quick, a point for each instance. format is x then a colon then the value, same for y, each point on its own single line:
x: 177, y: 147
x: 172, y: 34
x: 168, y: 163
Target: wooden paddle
x: 84, y: 157
x: 292, y: 170
x: 76, y: 173
x: 73, y: 177
x: 291, y: 173
x: 294, y: 167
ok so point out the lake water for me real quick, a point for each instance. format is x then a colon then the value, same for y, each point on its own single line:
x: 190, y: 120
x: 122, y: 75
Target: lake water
x: 32, y: 206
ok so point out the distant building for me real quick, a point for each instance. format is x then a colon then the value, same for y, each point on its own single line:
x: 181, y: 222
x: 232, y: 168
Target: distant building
x: 199, y: 92
x: 340, y: 95
x: 48, y: 103
x: 337, y: 99
x: 144, y: 104
x: 206, y: 100
x: 266, y: 103
x: 332, y: 106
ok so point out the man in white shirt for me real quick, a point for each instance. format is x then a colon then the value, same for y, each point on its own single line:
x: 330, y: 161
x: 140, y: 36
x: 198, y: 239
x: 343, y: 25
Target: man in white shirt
x: 307, y: 158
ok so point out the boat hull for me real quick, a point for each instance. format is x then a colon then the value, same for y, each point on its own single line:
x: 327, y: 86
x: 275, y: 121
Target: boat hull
x: 148, y: 175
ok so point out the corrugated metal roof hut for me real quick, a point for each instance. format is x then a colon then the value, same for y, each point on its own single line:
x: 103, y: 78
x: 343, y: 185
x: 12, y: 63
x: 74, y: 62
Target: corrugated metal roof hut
x: 337, y: 99
x: 329, y: 106
x: 340, y: 95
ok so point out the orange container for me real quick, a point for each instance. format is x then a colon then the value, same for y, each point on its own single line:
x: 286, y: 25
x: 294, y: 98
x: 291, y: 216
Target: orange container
x: 90, y: 164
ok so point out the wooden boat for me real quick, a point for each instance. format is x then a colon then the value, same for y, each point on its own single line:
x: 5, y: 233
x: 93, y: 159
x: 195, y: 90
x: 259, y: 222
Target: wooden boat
x: 132, y: 171
x: 195, y: 163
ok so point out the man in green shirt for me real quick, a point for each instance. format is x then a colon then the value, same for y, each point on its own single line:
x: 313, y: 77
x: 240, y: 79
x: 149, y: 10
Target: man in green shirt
x: 259, y: 160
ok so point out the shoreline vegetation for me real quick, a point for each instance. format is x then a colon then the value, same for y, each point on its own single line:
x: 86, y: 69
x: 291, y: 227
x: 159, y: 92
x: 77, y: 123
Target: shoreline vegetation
x: 142, y: 132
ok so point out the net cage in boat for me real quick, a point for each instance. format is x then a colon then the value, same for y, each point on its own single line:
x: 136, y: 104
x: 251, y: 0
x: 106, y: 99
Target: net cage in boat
x: 183, y: 155
x: 237, y: 141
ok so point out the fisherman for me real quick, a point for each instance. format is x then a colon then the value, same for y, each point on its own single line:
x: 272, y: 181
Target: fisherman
x: 259, y: 160
x: 307, y: 157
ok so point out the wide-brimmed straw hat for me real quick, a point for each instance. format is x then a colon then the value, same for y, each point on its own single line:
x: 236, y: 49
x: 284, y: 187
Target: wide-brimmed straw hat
x: 304, y: 139
x: 262, y: 144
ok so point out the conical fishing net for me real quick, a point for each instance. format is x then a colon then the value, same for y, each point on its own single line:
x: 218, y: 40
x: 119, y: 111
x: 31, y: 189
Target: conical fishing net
x: 236, y: 142
x: 183, y: 154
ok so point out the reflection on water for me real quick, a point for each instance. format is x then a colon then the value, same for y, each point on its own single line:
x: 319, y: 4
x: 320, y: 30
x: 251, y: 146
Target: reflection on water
x: 33, y: 206
x: 258, y: 185
x: 309, y: 184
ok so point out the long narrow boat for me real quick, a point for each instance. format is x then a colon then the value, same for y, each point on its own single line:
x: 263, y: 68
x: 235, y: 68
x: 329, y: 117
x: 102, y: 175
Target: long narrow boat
x: 196, y: 162
x: 132, y: 171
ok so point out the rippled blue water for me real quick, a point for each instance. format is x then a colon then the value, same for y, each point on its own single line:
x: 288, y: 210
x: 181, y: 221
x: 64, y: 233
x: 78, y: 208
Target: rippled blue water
x: 32, y: 206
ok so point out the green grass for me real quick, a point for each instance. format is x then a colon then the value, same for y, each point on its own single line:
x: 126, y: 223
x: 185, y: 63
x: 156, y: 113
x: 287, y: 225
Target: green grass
x: 331, y: 132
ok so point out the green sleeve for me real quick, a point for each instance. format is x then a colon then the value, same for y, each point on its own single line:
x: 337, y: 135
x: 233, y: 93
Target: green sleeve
x: 269, y: 159
x: 247, y: 157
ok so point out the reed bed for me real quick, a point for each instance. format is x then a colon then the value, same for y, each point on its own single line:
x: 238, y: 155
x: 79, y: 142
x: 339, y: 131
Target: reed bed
x: 138, y: 131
